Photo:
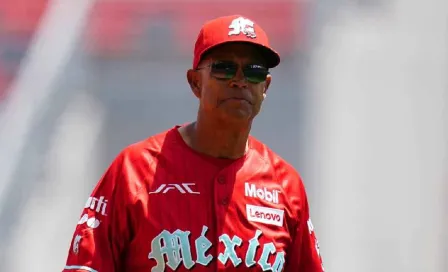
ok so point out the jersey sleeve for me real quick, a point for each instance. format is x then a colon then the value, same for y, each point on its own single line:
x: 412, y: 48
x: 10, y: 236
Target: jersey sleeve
x: 304, y: 255
x: 104, y: 227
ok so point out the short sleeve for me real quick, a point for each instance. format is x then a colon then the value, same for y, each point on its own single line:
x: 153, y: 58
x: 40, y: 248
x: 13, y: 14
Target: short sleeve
x: 104, y: 229
x: 304, y: 255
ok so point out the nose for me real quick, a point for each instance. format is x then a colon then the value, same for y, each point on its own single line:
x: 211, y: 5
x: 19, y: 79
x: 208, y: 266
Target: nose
x: 239, y: 80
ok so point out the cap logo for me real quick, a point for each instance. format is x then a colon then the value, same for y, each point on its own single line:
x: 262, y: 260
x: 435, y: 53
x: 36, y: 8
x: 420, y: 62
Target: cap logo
x: 242, y: 25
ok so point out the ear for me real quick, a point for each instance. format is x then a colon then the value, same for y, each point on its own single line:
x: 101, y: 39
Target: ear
x: 194, y: 79
x: 267, y: 83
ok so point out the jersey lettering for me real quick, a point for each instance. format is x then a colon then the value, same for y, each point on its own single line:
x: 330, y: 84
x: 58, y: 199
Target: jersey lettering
x: 175, y: 248
x: 202, y: 245
x: 251, y: 190
x: 97, y: 205
x: 253, y: 245
x: 269, y: 249
x: 229, y: 252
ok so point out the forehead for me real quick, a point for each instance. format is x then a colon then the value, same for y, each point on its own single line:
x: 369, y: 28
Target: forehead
x: 236, y: 51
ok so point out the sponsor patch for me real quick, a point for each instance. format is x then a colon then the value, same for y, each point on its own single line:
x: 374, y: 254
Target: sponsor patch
x: 251, y: 190
x: 91, y: 222
x: 264, y: 215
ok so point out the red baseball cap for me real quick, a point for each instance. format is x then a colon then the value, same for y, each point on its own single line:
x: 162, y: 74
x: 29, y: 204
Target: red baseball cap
x: 234, y: 28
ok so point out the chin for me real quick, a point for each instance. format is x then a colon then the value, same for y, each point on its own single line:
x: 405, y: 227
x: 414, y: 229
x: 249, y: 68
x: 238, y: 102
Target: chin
x: 237, y: 116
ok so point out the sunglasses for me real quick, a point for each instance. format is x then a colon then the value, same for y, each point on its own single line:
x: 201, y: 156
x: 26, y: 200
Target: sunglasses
x: 225, y: 70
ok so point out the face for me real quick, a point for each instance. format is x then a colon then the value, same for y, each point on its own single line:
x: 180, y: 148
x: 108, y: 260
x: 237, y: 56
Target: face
x: 227, y: 82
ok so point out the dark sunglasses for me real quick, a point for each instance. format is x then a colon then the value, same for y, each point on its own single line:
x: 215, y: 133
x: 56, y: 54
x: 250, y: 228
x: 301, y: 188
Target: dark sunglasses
x: 225, y: 70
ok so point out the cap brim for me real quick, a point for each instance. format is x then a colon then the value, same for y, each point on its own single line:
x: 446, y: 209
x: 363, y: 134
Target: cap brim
x: 270, y: 55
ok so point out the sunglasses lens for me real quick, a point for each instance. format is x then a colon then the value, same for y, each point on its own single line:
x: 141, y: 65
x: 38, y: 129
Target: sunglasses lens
x: 227, y: 70
x: 224, y: 70
x: 256, y: 73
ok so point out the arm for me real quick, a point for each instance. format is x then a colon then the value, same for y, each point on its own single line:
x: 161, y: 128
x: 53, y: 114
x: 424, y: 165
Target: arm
x: 101, y: 234
x: 304, y: 255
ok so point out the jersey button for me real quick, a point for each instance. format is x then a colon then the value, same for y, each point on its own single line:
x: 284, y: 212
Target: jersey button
x: 221, y: 180
x: 225, y: 201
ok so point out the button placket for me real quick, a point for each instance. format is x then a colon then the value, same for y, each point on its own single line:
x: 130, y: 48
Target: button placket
x: 221, y: 193
x: 221, y: 180
x: 225, y: 201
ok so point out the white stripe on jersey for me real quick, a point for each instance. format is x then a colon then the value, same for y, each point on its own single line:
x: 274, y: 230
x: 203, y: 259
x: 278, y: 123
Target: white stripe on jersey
x: 79, y: 267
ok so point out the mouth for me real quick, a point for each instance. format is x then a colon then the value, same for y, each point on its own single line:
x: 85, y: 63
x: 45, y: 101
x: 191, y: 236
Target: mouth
x: 238, y: 99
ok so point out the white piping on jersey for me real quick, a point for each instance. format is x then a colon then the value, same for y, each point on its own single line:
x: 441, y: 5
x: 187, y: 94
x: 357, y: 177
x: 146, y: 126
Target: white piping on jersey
x: 79, y: 267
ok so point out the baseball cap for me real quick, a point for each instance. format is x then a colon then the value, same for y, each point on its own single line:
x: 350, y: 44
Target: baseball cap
x: 234, y: 28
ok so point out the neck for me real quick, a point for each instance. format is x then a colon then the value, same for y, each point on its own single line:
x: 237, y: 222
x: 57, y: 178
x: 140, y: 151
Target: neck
x: 219, y: 139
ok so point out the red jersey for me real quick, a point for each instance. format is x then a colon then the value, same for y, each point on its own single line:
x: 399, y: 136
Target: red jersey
x: 161, y: 206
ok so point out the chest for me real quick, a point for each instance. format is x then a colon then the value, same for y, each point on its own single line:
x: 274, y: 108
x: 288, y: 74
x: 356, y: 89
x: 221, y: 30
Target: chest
x: 207, y: 218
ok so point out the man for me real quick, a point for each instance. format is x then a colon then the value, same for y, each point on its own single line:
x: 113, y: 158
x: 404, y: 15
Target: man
x: 204, y: 196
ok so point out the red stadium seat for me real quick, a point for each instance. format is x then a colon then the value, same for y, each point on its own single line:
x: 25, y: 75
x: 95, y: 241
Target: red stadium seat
x: 21, y: 15
x: 19, y: 20
x: 114, y: 25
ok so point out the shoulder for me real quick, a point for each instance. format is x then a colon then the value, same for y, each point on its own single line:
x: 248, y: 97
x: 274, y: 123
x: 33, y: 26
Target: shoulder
x: 149, y: 148
x: 281, y: 166
x: 134, y: 165
x: 136, y: 161
x: 288, y: 176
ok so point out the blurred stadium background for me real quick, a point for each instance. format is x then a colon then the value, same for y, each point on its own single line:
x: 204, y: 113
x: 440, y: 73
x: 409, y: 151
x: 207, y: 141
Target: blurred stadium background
x: 358, y: 106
